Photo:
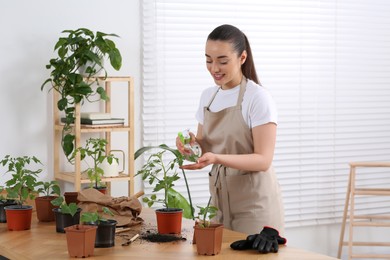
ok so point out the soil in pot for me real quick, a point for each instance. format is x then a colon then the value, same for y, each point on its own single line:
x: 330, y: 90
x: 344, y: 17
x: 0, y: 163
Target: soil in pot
x: 65, y: 220
x: 4, y: 203
x: 169, y: 220
x: 44, y: 208
x: 18, y: 217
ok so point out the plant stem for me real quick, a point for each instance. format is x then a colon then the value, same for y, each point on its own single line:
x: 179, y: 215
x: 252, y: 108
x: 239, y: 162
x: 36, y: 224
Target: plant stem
x: 205, y: 211
x: 189, y: 194
x: 165, y: 175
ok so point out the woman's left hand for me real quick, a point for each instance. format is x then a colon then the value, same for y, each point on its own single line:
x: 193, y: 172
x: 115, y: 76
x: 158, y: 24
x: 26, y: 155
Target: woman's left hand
x: 203, y: 161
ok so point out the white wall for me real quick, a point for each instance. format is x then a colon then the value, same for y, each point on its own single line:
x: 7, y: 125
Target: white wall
x: 29, y: 30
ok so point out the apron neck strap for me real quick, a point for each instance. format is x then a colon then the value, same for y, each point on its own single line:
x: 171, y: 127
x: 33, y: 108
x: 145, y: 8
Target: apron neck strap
x: 240, y: 95
x: 242, y: 91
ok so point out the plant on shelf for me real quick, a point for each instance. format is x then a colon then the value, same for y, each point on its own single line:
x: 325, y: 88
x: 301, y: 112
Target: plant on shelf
x: 43, y: 204
x: 20, y: 187
x: 163, y: 174
x: 79, y: 48
x: 95, y: 148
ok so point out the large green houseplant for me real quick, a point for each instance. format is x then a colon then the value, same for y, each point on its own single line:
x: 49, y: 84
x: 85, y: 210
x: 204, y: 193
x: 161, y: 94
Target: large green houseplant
x: 163, y: 174
x: 20, y: 187
x: 78, y: 48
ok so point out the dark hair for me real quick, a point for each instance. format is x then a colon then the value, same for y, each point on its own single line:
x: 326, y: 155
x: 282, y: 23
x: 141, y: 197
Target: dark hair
x: 240, y: 43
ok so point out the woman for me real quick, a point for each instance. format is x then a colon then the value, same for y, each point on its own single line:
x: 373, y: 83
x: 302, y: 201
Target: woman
x: 237, y: 132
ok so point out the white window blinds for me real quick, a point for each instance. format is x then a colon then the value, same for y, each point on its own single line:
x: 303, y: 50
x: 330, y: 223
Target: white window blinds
x: 327, y: 65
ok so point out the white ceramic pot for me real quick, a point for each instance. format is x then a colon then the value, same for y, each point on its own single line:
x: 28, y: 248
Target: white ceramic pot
x: 112, y: 170
x: 99, y: 70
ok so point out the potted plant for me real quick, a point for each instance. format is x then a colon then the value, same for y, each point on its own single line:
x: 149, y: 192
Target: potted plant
x: 80, y: 240
x: 20, y: 188
x: 43, y: 204
x: 4, y: 201
x: 77, y: 49
x: 95, y: 148
x: 207, y: 236
x: 163, y: 175
x: 105, y: 234
x: 65, y: 214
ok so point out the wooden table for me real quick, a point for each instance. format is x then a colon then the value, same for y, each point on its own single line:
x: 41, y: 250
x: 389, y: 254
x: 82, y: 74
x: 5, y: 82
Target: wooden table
x: 42, y: 242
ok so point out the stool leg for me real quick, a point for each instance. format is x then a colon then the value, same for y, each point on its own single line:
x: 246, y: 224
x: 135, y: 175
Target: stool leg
x: 351, y: 212
x: 341, y: 241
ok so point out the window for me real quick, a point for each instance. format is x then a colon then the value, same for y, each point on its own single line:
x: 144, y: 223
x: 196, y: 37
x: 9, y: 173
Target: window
x: 326, y: 64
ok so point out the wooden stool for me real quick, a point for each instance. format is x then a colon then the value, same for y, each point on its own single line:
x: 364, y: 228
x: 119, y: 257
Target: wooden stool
x: 362, y: 220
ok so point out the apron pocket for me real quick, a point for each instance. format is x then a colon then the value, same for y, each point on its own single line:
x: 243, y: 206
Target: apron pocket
x: 243, y: 196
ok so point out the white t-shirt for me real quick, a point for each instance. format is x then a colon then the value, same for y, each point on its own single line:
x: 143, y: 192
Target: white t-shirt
x: 258, y: 106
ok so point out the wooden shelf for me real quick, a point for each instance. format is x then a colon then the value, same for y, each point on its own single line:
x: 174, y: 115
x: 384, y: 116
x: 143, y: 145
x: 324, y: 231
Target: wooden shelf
x: 69, y: 176
x: 76, y: 177
x: 97, y: 129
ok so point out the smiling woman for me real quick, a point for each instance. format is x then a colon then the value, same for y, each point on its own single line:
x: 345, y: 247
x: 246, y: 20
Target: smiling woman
x: 238, y: 138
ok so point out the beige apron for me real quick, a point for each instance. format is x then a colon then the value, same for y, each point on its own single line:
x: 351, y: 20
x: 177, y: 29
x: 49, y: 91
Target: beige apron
x: 247, y: 201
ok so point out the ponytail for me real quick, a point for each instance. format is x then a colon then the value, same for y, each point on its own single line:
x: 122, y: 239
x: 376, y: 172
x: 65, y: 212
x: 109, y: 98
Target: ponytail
x: 248, y: 68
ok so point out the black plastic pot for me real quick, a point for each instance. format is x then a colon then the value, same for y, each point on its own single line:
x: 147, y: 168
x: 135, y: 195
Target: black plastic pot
x: 105, y: 233
x: 64, y: 220
x: 4, y: 203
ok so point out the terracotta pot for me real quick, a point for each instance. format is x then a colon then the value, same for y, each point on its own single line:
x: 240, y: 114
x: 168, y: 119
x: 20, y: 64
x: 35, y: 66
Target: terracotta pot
x: 102, y: 189
x: 208, y: 240
x: 80, y: 240
x: 4, y: 203
x: 169, y: 220
x: 44, y: 208
x: 64, y: 220
x: 18, y: 217
x: 71, y: 197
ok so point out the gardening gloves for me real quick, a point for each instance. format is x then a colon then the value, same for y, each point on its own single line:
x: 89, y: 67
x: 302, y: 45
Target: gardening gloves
x: 268, y: 240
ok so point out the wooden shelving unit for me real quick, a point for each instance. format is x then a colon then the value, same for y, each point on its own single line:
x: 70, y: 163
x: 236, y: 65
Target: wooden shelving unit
x: 76, y: 177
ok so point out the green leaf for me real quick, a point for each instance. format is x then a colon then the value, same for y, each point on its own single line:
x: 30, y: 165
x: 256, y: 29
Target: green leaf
x: 58, y: 201
x: 176, y: 200
x: 115, y: 59
x: 73, y: 208
x: 67, y: 144
x: 103, y: 95
x: 62, y: 104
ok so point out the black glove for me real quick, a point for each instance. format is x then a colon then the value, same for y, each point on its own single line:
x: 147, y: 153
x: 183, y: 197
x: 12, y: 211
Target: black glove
x: 261, y: 241
x: 243, y: 244
x: 268, y: 241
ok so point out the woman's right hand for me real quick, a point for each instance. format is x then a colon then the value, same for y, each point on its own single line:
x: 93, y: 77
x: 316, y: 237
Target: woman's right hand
x: 180, y: 146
